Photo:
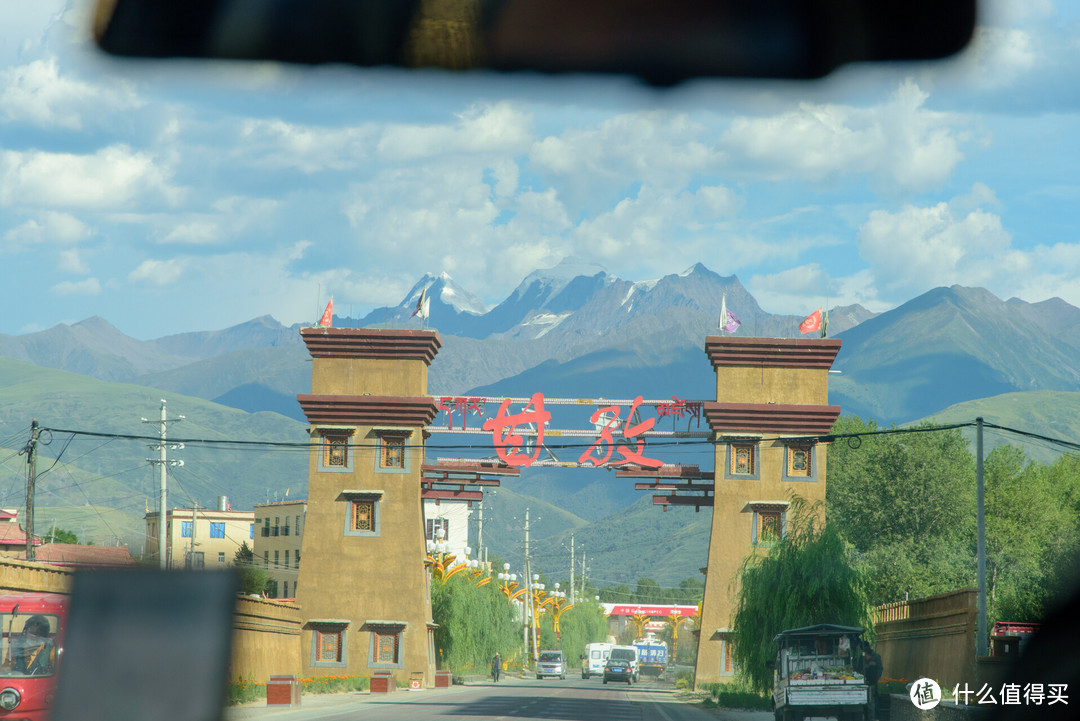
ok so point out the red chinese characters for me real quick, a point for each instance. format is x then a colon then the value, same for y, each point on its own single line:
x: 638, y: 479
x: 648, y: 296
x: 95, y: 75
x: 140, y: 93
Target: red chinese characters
x: 462, y: 405
x: 503, y: 431
x: 679, y: 408
x: 606, y: 424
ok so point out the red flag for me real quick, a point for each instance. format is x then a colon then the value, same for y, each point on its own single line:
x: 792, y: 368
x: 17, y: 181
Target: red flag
x: 811, y: 323
x: 328, y: 314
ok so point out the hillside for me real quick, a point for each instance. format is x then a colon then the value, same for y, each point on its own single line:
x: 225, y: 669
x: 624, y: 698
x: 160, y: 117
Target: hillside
x: 113, y: 472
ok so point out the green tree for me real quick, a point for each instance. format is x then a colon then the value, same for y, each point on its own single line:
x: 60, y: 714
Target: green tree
x: 906, y: 501
x: 473, y: 623
x: 616, y: 594
x: 649, y: 591
x: 808, y: 577
x: 59, y: 535
x: 254, y: 579
x: 1031, y: 532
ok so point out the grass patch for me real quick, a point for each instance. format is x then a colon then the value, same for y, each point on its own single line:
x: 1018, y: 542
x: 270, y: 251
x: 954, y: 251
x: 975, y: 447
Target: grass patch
x: 739, y: 694
x: 244, y: 691
x: 334, y: 684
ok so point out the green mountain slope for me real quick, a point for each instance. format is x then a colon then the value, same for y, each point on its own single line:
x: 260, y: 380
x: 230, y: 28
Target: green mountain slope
x: 1055, y: 414
x: 114, y: 472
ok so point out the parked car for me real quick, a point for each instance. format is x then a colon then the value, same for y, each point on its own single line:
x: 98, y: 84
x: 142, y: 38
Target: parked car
x: 622, y: 665
x: 551, y: 663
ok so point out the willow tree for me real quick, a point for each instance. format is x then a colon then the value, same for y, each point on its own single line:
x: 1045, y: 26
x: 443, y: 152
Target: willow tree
x: 474, y: 622
x: 808, y: 577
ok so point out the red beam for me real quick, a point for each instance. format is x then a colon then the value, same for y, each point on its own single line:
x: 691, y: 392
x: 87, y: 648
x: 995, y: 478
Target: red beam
x: 490, y: 467
x: 451, y: 495
x: 690, y: 472
x: 656, y: 486
x: 682, y: 500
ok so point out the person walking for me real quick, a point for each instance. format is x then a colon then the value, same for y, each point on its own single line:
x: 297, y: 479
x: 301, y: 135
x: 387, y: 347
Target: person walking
x: 496, y: 667
x: 872, y: 672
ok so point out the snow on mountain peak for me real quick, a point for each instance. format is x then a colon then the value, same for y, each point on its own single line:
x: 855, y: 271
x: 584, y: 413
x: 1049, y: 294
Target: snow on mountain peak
x: 443, y: 287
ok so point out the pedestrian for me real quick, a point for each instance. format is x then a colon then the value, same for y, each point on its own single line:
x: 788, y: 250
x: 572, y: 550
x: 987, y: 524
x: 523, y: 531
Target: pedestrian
x: 496, y: 667
x: 872, y: 672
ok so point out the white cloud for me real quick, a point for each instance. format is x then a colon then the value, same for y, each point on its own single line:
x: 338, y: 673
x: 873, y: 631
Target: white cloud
x: 48, y: 227
x: 497, y: 129
x: 899, y: 143
x: 159, y: 272
x: 38, y: 94
x: 663, y: 149
x: 112, y: 178
x: 918, y: 248
x: 197, y: 232
x: 90, y: 286
x: 71, y: 261
x: 276, y: 144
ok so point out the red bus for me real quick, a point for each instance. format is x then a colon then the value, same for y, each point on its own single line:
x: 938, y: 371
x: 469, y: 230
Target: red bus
x: 31, y: 644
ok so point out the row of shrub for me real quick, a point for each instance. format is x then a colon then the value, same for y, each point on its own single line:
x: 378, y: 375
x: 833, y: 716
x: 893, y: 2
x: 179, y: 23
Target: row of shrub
x: 248, y: 690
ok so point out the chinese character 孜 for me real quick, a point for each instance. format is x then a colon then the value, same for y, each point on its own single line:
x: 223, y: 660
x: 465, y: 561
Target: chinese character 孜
x: 507, y: 441
x: 605, y: 424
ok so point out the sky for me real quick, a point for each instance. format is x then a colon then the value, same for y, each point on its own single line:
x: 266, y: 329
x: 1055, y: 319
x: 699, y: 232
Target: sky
x: 179, y: 196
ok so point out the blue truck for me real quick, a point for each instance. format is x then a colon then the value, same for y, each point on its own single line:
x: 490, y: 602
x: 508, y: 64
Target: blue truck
x: 652, y: 656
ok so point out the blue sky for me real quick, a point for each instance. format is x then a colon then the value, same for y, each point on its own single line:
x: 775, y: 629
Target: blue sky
x: 183, y: 196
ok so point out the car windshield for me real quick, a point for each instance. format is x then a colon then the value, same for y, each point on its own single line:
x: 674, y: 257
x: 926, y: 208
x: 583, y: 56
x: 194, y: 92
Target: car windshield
x: 29, y: 645
x: 363, y: 290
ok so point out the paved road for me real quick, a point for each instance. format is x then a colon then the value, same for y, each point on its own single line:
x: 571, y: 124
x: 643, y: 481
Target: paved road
x: 512, y: 699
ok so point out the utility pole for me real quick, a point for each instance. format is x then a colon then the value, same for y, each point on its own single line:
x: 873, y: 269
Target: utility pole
x: 480, y: 533
x: 583, y: 574
x: 980, y: 552
x: 162, y: 461
x: 31, y: 479
x: 191, y: 546
x: 528, y: 586
x: 571, y: 568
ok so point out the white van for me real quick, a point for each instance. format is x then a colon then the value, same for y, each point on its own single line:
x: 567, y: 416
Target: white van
x: 629, y: 654
x: 596, y: 654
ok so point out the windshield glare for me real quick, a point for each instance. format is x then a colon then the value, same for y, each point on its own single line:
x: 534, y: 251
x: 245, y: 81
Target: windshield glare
x: 28, y: 645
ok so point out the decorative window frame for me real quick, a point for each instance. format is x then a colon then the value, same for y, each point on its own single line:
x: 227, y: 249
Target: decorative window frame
x: 395, y: 434
x: 755, y: 444
x: 329, y: 627
x: 381, y: 630
x: 811, y: 448
x: 762, y: 507
x: 353, y: 497
x: 336, y: 432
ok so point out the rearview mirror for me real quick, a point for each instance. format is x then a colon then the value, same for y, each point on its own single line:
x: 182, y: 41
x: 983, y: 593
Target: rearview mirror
x: 661, y: 42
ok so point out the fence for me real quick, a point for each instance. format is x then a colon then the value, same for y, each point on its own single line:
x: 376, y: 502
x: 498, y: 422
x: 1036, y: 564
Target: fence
x: 932, y: 637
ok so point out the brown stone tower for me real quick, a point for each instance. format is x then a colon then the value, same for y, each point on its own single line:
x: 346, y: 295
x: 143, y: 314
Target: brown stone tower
x: 767, y: 389
x: 362, y: 586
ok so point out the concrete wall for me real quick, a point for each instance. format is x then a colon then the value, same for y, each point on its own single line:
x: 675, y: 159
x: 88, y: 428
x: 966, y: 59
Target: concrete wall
x: 931, y: 637
x: 266, y: 635
x: 266, y: 640
x: 34, y: 577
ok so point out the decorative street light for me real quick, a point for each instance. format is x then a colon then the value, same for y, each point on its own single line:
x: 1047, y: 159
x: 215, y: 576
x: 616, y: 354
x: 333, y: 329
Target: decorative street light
x: 509, y: 584
x: 556, y: 601
x: 440, y: 559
